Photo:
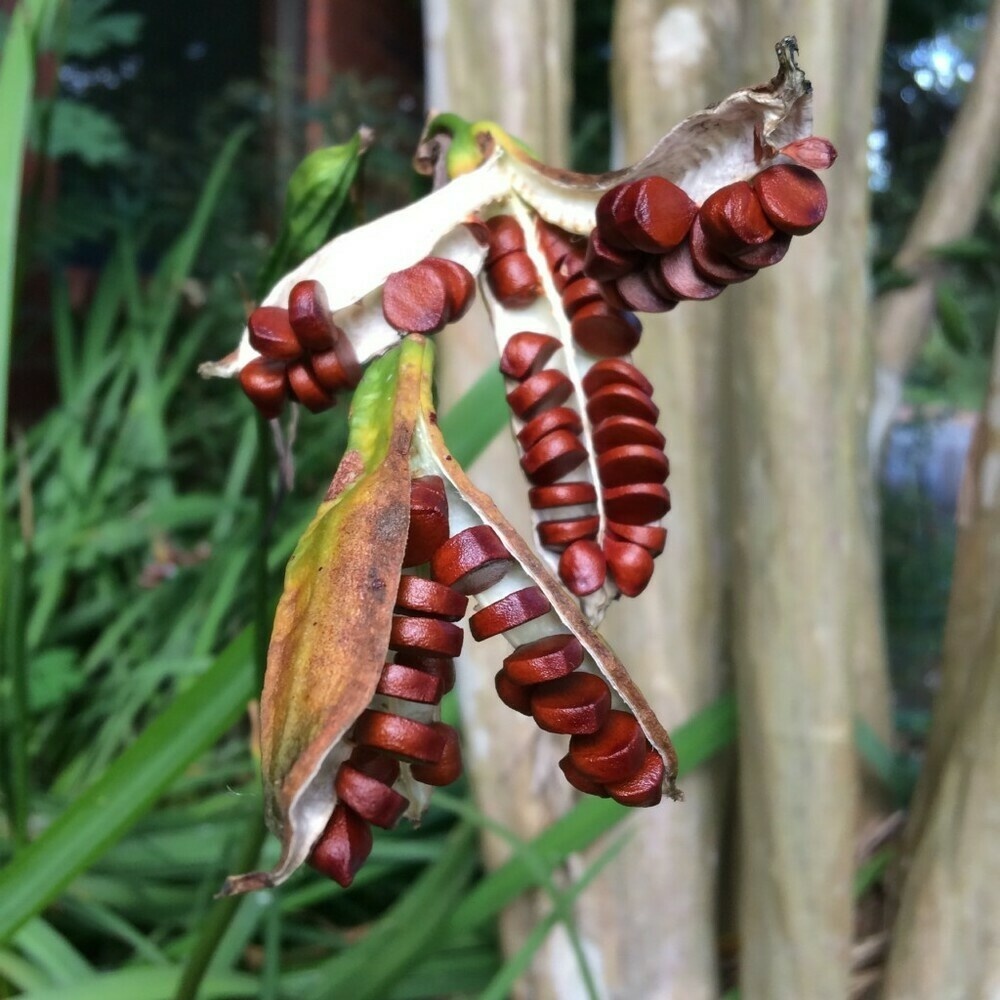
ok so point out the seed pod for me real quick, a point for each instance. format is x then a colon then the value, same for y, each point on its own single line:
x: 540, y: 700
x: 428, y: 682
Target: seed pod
x: 556, y: 419
x: 408, y: 740
x: 642, y: 789
x: 309, y: 316
x: 614, y: 432
x: 418, y: 596
x: 343, y: 847
x: 639, y: 503
x: 527, y: 353
x: 554, y: 456
x: 544, y: 659
x: 373, y: 801
x: 575, y: 704
x: 416, y: 300
x: 631, y: 566
x: 448, y: 768
x: 793, y: 198
x: 428, y: 528
x: 514, y: 280
x: 307, y: 389
x: 272, y: 335
x: 471, y: 561
x: 614, y: 753
x: 604, y: 331
x: 654, y: 215
x: 266, y: 384
x: 538, y: 392
x: 509, y: 612
x: 583, y: 567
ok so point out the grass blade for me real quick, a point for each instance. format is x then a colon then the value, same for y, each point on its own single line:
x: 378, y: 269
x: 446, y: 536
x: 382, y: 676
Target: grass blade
x: 472, y: 423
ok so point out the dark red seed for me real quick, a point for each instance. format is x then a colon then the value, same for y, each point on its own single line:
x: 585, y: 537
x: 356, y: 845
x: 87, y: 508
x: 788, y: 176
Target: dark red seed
x: 657, y: 217
x: 544, y: 659
x: 630, y: 566
x: 793, y: 198
x: 449, y: 767
x: 615, y: 204
x: 554, y: 456
x: 526, y: 353
x: 733, y: 218
x: 306, y: 388
x: 621, y: 400
x: 373, y: 801
x: 645, y: 787
x: 638, y: 293
x: 418, y: 596
x: 765, y: 254
x: 428, y: 528
x: 425, y: 635
x: 651, y: 537
x: 410, y: 684
x: 329, y: 371
x: 580, y: 292
x: 348, y: 361
x: 266, y: 384
x: 638, y: 503
x: 513, y: 695
x: 582, y: 567
x: 375, y: 764
x: 614, y: 753
x: 604, y: 262
x: 460, y: 286
x: 613, y: 432
x: 514, y: 280
x: 677, y: 273
x: 612, y: 370
x: 272, y: 335
x: 559, y: 418
x: 632, y: 463
x: 538, y: 392
x: 404, y: 738
x: 554, y: 242
x: 506, y: 236
x: 712, y: 265
x: 579, y: 780
x: 471, y: 561
x: 571, y: 266
x: 416, y: 300
x: 343, y: 847
x: 556, y: 535
x: 509, y: 612
x: 604, y: 331
x: 561, y: 495
x: 441, y: 667
x: 309, y: 315
x: 574, y: 704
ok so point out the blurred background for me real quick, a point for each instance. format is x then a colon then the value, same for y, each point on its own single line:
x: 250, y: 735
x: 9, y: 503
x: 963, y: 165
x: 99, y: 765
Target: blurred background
x: 822, y: 636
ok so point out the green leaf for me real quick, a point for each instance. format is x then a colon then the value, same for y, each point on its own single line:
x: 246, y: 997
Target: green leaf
x: 92, y: 31
x: 157, y: 983
x: 83, y: 131
x: 971, y: 250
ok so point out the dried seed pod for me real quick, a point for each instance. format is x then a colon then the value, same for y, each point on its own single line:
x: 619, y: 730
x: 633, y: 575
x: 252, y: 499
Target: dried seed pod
x: 428, y: 528
x: 343, y: 847
x: 373, y: 801
x: 583, y: 567
x: 410, y: 684
x: 604, y: 331
x: 410, y: 741
x: 642, y: 789
x: 554, y: 456
x: 538, y: 392
x: 449, y: 766
x: 460, y: 285
x: 505, y: 236
x: 603, y: 262
x: 307, y: 389
x: 679, y: 277
x: 509, y: 612
x: 614, y: 753
x: 612, y: 370
x: 425, y: 635
x: 309, y: 316
x: 733, y: 218
x: 613, y: 432
x: 513, y: 695
x: 793, y: 198
x: 556, y: 535
x: 654, y: 216
x: 471, y: 560
x: 580, y: 292
x: 632, y: 463
x: 266, y: 384
x: 766, y: 254
x: 579, y: 780
x: 514, y: 280
x: 651, y: 537
x: 416, y: 300
x: 621, y: 400
x: 631, y: 566
x: 638, y: 293
x: 638, y: 503
x: 544, y: 659
x: 712, y: 265
x: 527, y: 353
x: 272, y: 335
x: 556, y: 419
x: 575, y: 704
x: 561, y: 495
x: 418, y: 596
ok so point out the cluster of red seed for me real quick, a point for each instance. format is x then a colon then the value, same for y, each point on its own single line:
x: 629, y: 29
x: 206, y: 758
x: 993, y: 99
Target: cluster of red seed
x: 600, y: 327
x: 304, y: 354
x: 512, y: 276
x: 653, y: 246
x: 426, y: 297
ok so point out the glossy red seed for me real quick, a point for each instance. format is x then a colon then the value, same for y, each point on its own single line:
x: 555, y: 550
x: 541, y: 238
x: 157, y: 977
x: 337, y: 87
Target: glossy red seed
x: 343, y: 847
x: 604, y: 331
x: 613, y: 432
x: 514, y: 280
x: 349, y: 361
x: 621, y: 400
x: 765, y: 254
x: 657, y: 217
x: 630, y: 565
x: 556, y: 419
x: 538, y: 392
x: 582, y: 567
x: 733, y: 218
x: 410, y: 684
x: 428, y: 528
x: 441, y: 667
x: 265, y: 383
x: 638, y: 293
x: 554, y: 456
x: 712, y: 265
x: 272, y: 335
x: 556, y: 535
x: 509, y: 612
x: 575, y: 704
x: 513, y: 695
x: 603, y: 262
x: 417, y: 596
x: 407, y: 739
x: 793, y: 198
x: 505, y: 235
x: 614, y: 753
x: 425, y: 635
x: 460, y: 285
x: 612, y: 370
x: 471, y: 561
x: 415, y: 300
x: 679, y: 277
x: 307, y: 389
x: 309, y: 315
x: 373, y: 801
x: 554, y: 242
x: 526, y: 353
x: 329, y: 371
x: 571, y: 266
x: 375, y: 764
x: 645, y: 787
x: 651, y: 537
x: 579, y: 780
x: 580, y: 292
x: 561, y: 495
x: 544, y: 659
x: 616, y: 203
x: 449, y: 767
x: 639, y: 503
x: 632, y: 463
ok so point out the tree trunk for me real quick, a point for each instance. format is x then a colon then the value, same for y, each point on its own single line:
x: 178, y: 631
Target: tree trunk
x: 947, y: 936
x: 806, y: 603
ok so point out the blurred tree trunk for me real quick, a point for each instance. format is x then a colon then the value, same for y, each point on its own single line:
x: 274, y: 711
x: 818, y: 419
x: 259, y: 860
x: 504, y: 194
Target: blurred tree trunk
x: 806, y: 600
x: 946, y: 941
